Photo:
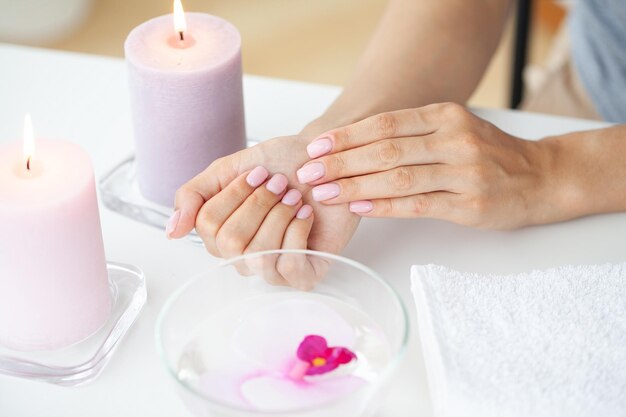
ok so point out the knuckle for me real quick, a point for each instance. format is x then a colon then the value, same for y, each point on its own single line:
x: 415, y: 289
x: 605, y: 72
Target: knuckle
x: 217, y: 164
x: 388, y: 152
x: 349, y: 188
x: 454, y: 111
x: 334, y: 164
x: 288, y: 265
x: 471, y: 143
x: 385, y: 125
x: 205, y: 226
x: 420, y: 205
x: 402, y: 179
x: 343, y: 137
x: 425, y: 146
x: 262, y: 198
x: 384, y: 207
x: 230, y: 243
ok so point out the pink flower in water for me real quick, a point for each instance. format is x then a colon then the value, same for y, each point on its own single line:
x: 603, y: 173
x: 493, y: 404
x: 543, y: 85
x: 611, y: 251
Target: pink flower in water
x: 315, y: 357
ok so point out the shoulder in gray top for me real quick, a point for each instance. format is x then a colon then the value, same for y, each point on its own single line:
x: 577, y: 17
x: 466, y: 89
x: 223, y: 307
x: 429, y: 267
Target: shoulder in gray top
x: 598, y: 32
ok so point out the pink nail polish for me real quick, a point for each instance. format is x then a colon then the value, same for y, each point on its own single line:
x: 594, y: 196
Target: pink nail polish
x: 257, y: 176
x: 277, y: 184
x: 325, y: 192
x: 363, y: 206
x: 292, y: 197
x: 311, y: 172
x: 172, y: 223
x: 319, y: 147
x: 304, y: 212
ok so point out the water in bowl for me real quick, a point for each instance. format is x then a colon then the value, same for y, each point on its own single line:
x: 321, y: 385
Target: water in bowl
x: 240, y: 355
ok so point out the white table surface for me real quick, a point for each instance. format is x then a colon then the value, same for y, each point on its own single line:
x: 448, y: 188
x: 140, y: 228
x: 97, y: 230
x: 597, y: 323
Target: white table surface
x: 84, y: 99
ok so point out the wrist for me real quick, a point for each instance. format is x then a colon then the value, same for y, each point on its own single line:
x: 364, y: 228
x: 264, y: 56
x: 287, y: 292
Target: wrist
x: 559, y: 195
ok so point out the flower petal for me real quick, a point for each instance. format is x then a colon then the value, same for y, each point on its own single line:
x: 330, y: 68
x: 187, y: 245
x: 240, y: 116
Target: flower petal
x: 340, y: 355
x: 312, y: 347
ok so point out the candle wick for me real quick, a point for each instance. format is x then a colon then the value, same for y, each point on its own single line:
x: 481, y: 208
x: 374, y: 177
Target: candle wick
x: 182, y: 37
x: 28, y: 163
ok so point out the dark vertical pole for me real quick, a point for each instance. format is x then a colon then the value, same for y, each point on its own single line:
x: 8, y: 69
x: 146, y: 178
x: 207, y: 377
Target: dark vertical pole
x: 522, y: 28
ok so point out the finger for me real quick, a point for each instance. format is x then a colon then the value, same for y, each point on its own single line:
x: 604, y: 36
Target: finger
x: 296, y: 268
x: 440, y: 204
x: 297, y: 233
x: 378, y: 156
x: 272, y: 230
x: 270, y: 237
x: 397, y: 182
x: 239, y: 229
x: 193, y: 194
x: 264, y: 266
x: 218, y: 209
x: 409, y: 122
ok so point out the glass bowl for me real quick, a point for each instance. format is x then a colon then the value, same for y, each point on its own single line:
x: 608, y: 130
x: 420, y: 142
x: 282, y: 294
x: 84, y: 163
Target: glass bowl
x: 231, y: 342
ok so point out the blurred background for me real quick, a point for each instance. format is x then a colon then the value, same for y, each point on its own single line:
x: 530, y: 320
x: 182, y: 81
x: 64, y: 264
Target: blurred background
x: 316, y: 41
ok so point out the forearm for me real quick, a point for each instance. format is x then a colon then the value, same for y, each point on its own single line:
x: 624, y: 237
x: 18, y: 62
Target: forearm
x: 423, y: 51
x: 587, y: 171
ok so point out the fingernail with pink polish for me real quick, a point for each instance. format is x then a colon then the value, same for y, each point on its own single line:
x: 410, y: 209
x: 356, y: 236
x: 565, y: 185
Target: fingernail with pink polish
x: 304, y: 212
x: 257, y: 176
x: 319, y: 147
x: 361, y: 206
x: 172, y: 223
x: 277, y: 184
x: 292, y: 197
x: 311, y: 172
x: 325, y: 192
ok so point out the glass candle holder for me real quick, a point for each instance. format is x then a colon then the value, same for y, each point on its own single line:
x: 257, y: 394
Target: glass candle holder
x: 119, y: 190
x: 232, y: 343
x: 82, y: 362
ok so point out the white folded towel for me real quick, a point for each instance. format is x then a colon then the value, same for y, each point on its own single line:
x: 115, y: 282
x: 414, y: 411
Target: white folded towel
x: 546, y: 343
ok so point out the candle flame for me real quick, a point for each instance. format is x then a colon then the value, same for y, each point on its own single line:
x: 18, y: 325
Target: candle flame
x: 180, y: 24
x: 29, y: 140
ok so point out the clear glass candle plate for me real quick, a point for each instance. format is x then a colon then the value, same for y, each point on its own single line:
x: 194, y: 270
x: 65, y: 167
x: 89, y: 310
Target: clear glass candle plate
x: 229, y: 339
x: 120, y: 192
x: 83, y: 361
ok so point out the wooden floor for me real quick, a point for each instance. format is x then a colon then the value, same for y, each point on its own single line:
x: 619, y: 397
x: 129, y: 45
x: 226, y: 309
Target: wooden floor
x: 318, y: 41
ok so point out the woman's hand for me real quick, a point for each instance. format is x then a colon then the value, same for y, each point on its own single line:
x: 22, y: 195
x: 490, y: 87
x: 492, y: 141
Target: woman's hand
x: 235, y: 211
x: 256, y: 212
x: 437, y: 161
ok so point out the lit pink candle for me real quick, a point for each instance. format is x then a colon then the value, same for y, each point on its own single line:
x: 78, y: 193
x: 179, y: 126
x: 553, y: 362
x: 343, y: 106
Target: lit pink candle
x: 186, y: 95
x: 54, y: 288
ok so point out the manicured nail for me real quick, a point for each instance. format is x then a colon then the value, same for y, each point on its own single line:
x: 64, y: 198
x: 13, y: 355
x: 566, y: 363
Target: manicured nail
x: 311, y: 172
x: 172, y: 223
x: 277, y: 184
x: 319, y: 147
x: 304, y: 212
x: 257, y: 176
x: 361, y: 206
x: 292, y: 197
x: 325, y: 192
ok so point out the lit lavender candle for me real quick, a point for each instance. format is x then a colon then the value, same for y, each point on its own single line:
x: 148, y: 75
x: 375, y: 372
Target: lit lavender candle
x: 186, y: 98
